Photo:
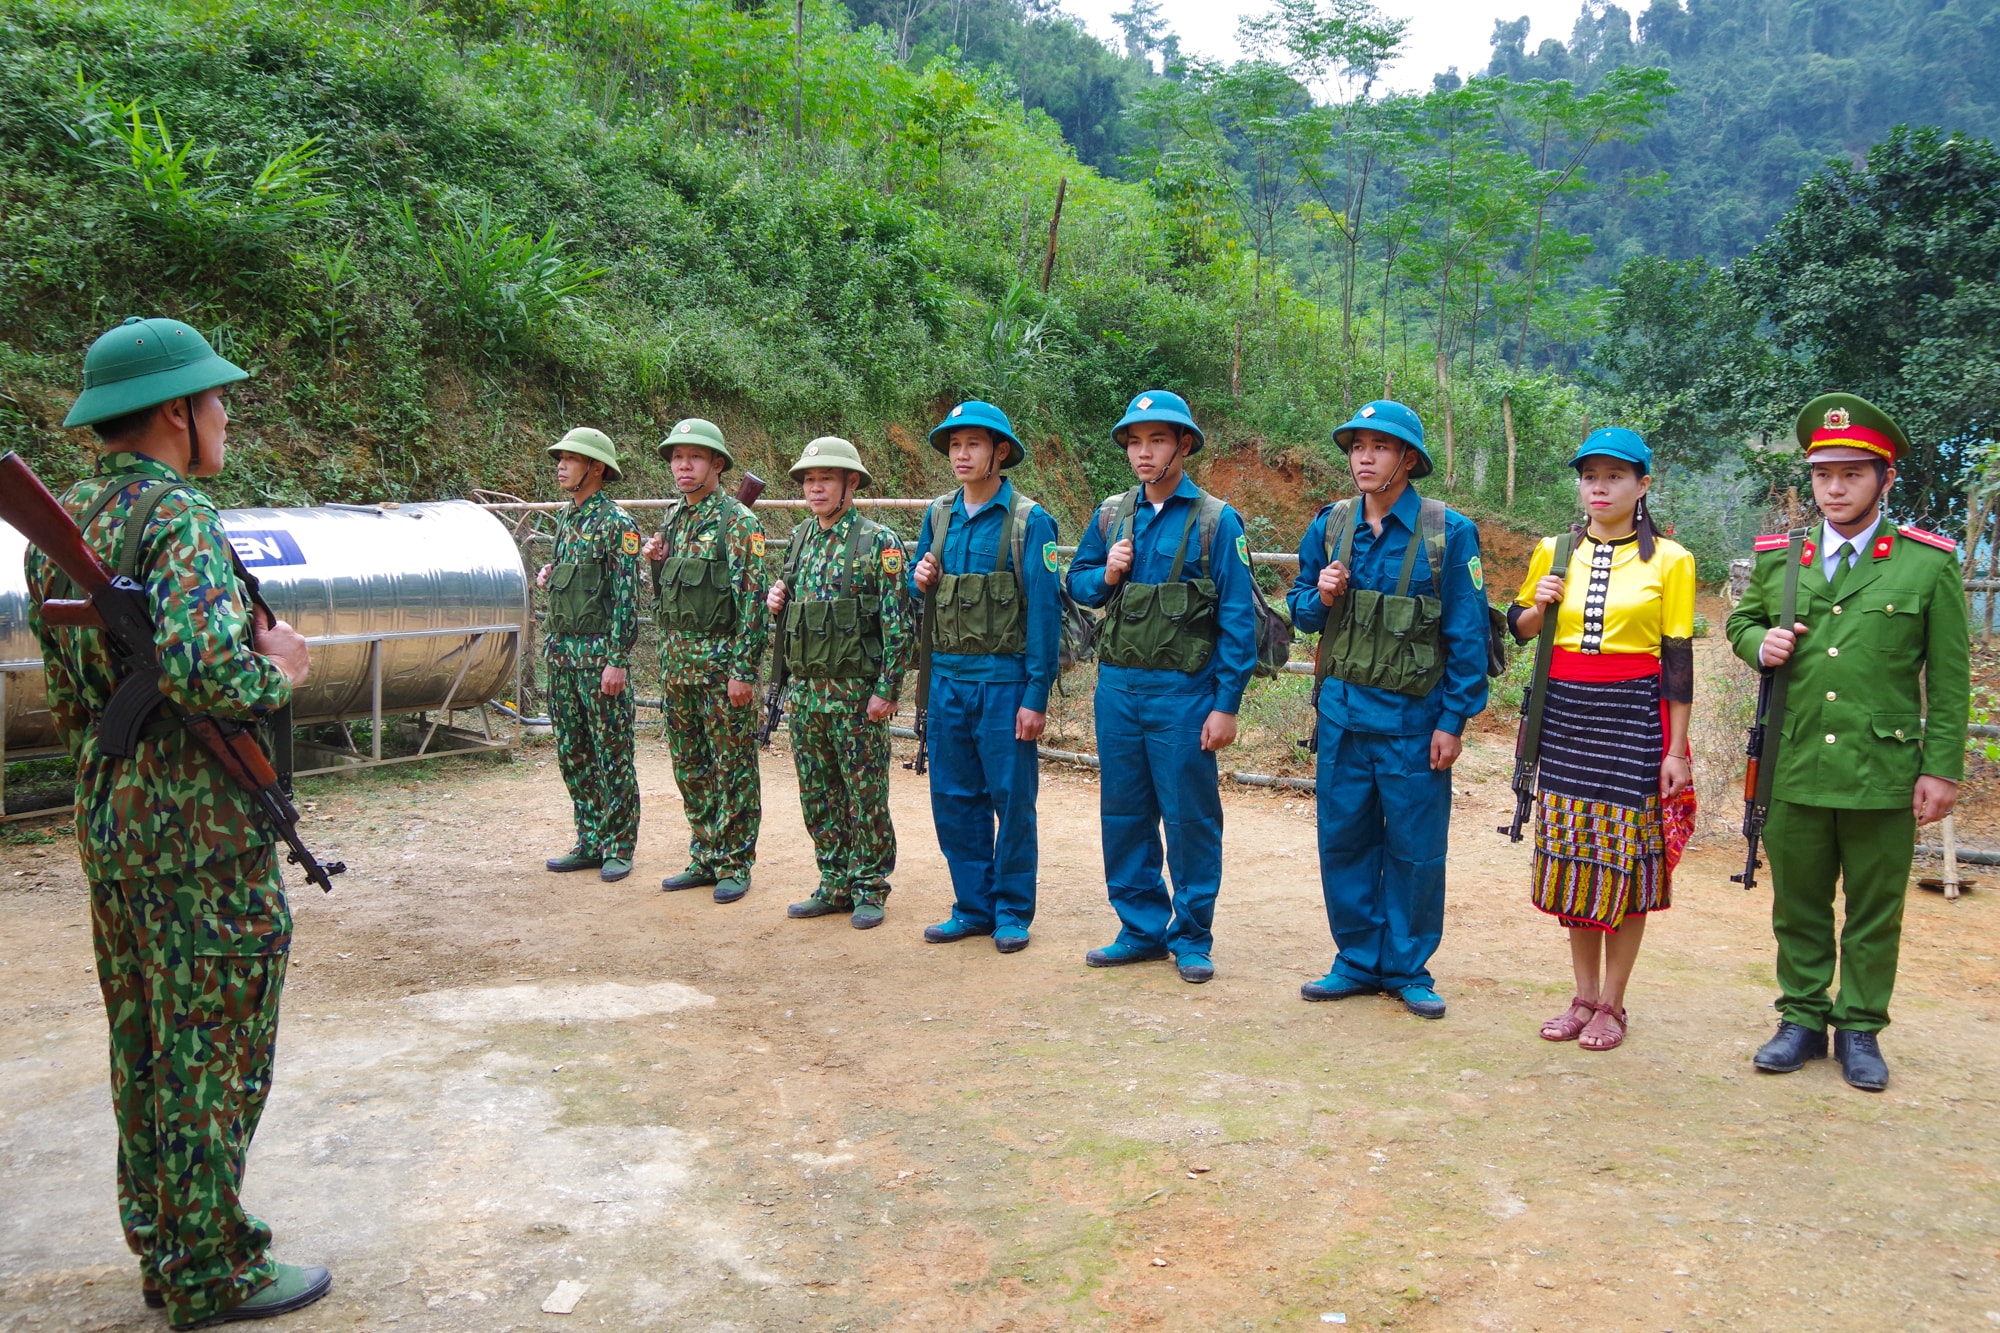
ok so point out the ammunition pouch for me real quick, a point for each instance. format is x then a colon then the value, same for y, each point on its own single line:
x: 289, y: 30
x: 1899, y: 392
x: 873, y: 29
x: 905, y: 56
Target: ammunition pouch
x: 837, y: 638
x: 1167, y: 626
x: 694, y: 596
x: 579, y: 599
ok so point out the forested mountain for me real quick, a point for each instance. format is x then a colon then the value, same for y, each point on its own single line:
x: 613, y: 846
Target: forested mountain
x: 1769, y: 90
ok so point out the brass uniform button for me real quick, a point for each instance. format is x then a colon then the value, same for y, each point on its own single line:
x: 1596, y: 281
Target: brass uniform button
x: 1836, y: 610
x: 1899, y: 733
x: 1829, y: 738
x: 1890, y: 608
x: 1831, y: 696
x: 1833, y: 652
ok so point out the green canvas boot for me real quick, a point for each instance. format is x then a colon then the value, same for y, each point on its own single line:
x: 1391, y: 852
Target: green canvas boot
x: 816, y: 906
x: 574, y: 859
x: 868, y: 914
x: 614, y: 869
x: 730, y: 888
x: 295, y: 1287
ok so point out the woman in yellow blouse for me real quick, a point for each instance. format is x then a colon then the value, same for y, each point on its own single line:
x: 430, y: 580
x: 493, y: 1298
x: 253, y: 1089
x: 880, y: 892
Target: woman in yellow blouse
x: 1615, y: 798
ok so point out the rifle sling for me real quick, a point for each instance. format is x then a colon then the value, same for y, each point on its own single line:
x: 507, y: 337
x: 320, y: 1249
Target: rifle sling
x: 1545, y: 652
x: 1781, y: 676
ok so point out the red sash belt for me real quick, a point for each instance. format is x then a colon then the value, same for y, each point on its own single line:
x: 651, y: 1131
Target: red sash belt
x: 1602, y: 668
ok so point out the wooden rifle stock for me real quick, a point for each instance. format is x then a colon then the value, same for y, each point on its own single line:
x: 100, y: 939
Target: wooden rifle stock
x: 118, y: 606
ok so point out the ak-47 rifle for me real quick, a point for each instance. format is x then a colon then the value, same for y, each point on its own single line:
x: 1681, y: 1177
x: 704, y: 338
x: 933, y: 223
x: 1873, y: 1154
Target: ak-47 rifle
x: 118, y: 606
x: 1767, y: 728
x: 926, y: 634
x: 1534, y: 701
x: 774, y: 697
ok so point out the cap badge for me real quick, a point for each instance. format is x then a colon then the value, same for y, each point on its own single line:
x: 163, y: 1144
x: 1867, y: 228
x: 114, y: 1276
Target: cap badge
x: 1367, y: 411
x: 1145, y: 404
x: 812, y: 451
x: 681, y: 428
x: 958, y: 411
x: 1837, y: 419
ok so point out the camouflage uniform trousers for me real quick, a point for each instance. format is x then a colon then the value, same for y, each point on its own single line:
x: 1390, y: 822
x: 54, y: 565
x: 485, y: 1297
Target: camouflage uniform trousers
x: 714, y: 747
x: 594, y: 751
x: 191, y: 964
x: 843, y: 764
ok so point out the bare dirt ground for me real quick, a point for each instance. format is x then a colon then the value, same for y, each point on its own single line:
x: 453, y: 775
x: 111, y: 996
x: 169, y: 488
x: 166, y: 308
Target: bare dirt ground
x: 492, y: 1078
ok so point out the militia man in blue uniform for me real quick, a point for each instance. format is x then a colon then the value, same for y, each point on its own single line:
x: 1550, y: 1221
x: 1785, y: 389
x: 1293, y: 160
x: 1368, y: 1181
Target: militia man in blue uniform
x: 1391, y: 583
x: 987, y: 555
x: 1873, y: 733
x: 1170, y: 566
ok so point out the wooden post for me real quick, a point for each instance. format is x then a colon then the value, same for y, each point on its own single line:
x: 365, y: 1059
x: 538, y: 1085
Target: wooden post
x: 1507, y: 420
x: 1388, y: 378
x: 1055, y: 224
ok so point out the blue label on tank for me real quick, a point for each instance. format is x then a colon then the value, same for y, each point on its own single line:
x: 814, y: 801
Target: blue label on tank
x: 260, y: 547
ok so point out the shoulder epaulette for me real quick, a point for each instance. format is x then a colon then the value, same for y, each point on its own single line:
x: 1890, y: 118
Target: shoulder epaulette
x: 1929, y: 539
x: 1774, y: 541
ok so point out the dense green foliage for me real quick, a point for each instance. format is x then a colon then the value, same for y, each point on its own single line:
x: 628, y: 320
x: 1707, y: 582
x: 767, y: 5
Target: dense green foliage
x: 1770, y: 90
x: 1882, y: 280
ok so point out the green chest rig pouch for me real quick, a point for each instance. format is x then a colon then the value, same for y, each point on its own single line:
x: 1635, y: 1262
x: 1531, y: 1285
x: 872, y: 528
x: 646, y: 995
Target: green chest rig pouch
x: 692, y: 593
x: 1167, y: 626
x: 982, y: 614
x: 1390, y: 641
x: 837, y: 637
x: 579, y: 598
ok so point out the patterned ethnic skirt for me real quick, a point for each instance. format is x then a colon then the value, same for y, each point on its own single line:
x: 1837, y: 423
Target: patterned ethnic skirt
x: 1605, y: 847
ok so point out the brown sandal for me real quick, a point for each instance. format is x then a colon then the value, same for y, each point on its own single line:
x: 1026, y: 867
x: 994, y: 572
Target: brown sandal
x: 1566, y: 1026
x: 1603, y: 1042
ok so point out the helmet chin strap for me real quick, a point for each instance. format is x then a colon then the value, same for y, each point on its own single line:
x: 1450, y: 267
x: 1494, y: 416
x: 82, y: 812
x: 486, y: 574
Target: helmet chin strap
x: 1401, y: 464
x: 194, y: 439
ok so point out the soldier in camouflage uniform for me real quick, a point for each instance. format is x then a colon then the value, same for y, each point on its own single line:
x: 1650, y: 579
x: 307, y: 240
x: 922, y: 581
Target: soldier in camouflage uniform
x: 708, y: 579
x: 593, y: 585
x: 845, y: 630
x: 188, y: 914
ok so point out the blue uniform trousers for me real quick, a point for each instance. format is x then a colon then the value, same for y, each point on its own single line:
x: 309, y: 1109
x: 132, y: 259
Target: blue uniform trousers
x: 1383, y: 820
x: 1156, y: 773
x: 983, y: 784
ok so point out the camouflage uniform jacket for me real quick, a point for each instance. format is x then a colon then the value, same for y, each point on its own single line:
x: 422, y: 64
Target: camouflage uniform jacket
x: 819, y: 572
x: 171, y: 808
x: 599, y: 530
x: 719, y: 528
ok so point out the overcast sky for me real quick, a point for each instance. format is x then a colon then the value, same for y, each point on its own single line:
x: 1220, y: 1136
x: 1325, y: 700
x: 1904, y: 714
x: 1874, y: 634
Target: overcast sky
x: 1442, y: 33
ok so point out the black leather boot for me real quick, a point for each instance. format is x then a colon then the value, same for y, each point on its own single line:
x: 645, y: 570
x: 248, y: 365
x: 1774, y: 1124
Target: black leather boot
x: 1861, y: 1062
x: 1790, y: 1048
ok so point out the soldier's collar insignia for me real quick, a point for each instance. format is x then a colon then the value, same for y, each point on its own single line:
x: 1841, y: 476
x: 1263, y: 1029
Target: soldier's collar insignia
x: 1145, y: 404
x: 1883, y: 543
x: 1809, y: 554
x: 1838, y: 419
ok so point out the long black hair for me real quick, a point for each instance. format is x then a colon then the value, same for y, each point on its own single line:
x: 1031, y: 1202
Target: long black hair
x: 1642, y: 525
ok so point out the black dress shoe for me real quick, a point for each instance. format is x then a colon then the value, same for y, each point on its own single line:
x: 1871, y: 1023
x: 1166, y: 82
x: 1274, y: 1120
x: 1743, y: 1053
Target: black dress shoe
x: 1861, y: 1062
x: 1789, y: 1049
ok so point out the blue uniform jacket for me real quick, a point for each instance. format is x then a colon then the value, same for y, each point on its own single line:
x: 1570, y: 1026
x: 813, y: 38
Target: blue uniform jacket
x: 970, y: 545
x: 1377, y: 561
x: 1154, y: 538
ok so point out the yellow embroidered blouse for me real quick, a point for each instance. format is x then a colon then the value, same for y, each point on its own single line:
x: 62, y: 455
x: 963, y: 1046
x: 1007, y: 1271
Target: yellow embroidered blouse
x: 1614, y: 602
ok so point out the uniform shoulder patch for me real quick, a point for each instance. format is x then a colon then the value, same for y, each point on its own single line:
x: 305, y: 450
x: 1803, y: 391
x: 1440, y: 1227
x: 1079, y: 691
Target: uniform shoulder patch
x: 1049, y: 556
x: 1774, y: 541
x: 892, y: 560
x: 629, y: 543
x: 757, y: 545
x: 1930, y: 539
x: 1478, y: 572
x: 1243, y: 548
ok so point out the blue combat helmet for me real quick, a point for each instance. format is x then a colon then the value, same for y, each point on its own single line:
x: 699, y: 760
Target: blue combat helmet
x: 972, y: 412
x: 1391, y: 418
x: 1158, y: 405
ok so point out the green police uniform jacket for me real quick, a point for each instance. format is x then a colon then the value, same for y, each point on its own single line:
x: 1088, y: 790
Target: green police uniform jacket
x: 598, y: 531
x: 1855, y: 731
x: 719, y: 528
x: 170, y: 808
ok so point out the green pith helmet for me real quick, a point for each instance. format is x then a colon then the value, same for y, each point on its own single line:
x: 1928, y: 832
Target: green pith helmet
x: 831, y: 451
x: 696, y: 431
x: 588, y: 443
x: 143, y: 363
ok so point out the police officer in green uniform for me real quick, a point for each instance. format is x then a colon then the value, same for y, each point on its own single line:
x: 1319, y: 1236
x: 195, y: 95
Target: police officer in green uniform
x: 593, y: 620
x: 845, y: 627
x: 188, y: 916
x: 1868, y: 751
x: 708, y: 589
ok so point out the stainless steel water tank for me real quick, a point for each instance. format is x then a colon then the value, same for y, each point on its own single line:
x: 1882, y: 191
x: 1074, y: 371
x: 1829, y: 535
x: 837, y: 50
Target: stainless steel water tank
x: 424, y: 580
